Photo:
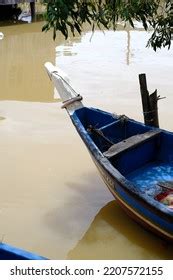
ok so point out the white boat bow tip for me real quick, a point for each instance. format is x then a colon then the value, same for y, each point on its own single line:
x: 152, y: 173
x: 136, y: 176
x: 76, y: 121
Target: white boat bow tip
x: 69, y: 96
x: 51, y: 69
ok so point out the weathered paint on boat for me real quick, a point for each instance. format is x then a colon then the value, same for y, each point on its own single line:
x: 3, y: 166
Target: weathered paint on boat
x: 8, y: 252
x: 131, y: 157
x: 141, y: 206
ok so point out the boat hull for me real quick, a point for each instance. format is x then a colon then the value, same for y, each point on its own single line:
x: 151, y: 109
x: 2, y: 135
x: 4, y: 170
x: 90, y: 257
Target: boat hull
x: 143, y: 212
x: 8, y: 252
x: 127, y: 203
x: 132, y: 158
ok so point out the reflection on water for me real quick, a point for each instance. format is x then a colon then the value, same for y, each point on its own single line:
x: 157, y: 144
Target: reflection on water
x: 23, y: 52
x: 52, y: 201
x: 111, y: 73
x: 113, y: 235
x: 128, y: 47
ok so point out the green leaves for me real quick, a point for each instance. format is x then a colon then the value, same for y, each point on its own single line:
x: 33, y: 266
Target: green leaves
x: 163, y: 27
x: 70, y: 15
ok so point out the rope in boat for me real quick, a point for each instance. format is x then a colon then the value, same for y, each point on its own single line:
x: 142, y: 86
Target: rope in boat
x: 152, y: 111
x: 71, y: 100
x: 149, y: 112
x: 98, y: 132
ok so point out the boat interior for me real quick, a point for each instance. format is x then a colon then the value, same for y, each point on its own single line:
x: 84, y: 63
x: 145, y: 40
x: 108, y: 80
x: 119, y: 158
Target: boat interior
x: 144, y: 155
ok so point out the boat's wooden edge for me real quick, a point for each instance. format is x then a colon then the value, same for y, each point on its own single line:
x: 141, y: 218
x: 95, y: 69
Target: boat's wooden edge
x: 130, y: 143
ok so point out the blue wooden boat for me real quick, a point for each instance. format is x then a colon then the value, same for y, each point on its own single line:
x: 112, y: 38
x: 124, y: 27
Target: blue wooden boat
x: 8, y: 252
x: 134, y: 160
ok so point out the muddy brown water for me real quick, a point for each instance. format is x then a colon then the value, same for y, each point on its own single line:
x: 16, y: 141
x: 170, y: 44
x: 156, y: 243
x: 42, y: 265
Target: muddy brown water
x: 52, y: 200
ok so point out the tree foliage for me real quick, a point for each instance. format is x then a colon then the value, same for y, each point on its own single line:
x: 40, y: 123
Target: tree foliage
x: 70, y: 15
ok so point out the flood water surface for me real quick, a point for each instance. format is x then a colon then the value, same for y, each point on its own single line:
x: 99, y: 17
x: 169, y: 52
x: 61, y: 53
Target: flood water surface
x: 53, y: 201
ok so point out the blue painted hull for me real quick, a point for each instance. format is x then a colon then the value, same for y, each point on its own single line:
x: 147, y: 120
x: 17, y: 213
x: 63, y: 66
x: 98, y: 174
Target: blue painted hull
x: 8, y: 252
x: 133, y: 174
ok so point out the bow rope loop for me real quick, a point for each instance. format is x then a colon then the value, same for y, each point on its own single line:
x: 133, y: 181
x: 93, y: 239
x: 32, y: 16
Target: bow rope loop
x: 75, y: 96
x: 70, y: 87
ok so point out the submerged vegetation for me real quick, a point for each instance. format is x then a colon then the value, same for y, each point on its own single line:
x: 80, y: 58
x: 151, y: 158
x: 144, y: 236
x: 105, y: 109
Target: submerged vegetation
x: 65, y: 16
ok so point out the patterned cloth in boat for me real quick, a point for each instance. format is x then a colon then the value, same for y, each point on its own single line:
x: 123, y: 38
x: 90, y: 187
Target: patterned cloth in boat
x: 166, y: 197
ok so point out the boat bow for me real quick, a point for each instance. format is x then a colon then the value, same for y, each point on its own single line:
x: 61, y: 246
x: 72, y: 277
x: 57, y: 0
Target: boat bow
x: 70, y: 98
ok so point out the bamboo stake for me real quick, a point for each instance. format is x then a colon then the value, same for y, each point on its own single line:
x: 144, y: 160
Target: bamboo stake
x: 149, y: 103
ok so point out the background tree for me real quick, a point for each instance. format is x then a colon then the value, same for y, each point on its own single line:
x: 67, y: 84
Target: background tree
x: 70, y: 15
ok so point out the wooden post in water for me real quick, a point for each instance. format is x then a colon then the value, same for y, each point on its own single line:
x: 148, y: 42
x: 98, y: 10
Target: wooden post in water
x: 32, y: 8
x: 149, y: 103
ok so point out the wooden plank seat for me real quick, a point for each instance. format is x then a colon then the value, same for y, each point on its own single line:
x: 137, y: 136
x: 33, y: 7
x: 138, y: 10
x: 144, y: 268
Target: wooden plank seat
x: 130, y: 143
